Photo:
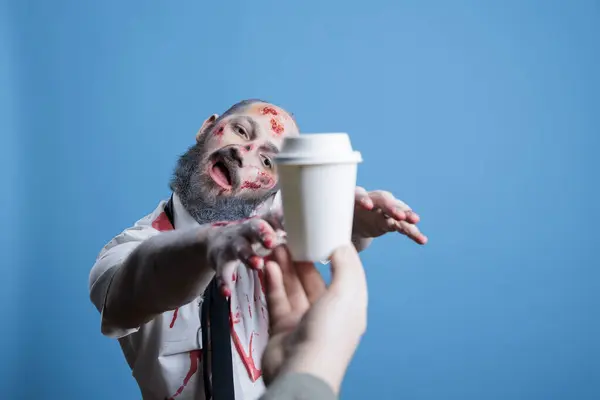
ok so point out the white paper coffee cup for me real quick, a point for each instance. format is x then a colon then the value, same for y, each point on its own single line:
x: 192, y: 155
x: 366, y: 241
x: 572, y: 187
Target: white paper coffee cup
x: 317, y: 177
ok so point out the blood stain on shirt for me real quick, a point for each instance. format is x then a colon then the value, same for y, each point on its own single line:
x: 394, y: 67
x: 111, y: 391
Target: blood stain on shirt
x: 253, y: 372
x: 162, y: 223
x: 195, y: 358
x: 175, y: 312
x: 249, y: 307
x: 261, y: 279
x: 237, y: 318
x: 264, y: 315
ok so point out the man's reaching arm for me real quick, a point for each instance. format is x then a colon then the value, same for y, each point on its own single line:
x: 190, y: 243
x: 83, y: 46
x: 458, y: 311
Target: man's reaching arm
x: 161, y: 274
x: 138, y: 279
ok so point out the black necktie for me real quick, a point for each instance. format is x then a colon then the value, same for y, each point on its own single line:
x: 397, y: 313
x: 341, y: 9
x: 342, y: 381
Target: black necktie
x: 215, y: 308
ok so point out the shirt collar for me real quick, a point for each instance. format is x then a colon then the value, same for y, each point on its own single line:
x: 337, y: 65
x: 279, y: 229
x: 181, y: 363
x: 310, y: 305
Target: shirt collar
x: 182, y: 218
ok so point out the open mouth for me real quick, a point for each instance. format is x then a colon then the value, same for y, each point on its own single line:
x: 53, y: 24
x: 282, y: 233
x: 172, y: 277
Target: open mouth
x: 221, y: 175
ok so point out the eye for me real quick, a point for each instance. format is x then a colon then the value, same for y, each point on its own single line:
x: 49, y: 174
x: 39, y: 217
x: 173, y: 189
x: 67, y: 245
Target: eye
x: 267, y: 162
x: 240, y: 130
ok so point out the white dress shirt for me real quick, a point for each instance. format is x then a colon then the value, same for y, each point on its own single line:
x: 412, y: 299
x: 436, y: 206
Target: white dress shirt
x: 165, y: 354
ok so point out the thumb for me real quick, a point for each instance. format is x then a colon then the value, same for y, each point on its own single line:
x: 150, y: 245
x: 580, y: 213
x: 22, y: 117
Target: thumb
x: 346, y: 269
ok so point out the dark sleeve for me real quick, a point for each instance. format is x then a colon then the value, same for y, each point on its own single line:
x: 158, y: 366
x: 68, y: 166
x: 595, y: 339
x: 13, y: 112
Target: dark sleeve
x: 298, y: 387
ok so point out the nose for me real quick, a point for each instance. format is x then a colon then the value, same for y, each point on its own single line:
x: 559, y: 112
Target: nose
x: 236, y: 156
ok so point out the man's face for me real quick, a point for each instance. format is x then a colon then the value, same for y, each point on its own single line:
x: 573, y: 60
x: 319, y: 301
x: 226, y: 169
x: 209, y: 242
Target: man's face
x: 238, y: 151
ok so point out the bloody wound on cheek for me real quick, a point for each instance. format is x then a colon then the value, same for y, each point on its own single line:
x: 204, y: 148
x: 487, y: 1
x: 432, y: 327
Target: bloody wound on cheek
x: 266, y: 180
x: 250, y: 185
x: 263, y: 180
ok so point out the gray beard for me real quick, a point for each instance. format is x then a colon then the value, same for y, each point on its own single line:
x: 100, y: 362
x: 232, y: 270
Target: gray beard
x: 222, y: 209
x: 193, y: 187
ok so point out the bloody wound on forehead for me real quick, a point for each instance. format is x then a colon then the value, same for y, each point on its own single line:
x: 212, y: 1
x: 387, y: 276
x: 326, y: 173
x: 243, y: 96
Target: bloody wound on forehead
x: 268, y: 110
x: 276, y: 126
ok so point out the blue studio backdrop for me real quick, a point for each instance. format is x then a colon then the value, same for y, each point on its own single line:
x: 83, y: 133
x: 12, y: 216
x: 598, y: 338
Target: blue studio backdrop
x: 483, y: 116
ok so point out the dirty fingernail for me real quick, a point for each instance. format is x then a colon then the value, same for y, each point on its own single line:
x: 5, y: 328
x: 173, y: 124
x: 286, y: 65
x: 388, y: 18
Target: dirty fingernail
x: 225, y: 290
x: 269, y: 242
x: 256, y: 262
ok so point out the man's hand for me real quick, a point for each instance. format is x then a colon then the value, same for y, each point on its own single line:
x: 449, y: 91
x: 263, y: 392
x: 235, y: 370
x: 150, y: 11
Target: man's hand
x: 377, y: 213
x: 314, y: 329
x: 247, y: 242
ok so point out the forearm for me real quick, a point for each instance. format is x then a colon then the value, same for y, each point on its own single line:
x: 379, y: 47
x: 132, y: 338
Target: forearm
x: 297, y: 386
x: 361, y: 244
x: 163, y: 273
x: 329, y: 363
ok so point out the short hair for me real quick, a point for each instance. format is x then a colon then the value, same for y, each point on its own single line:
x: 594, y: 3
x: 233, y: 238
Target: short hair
x: 239, y: 105
x: 245, y: 103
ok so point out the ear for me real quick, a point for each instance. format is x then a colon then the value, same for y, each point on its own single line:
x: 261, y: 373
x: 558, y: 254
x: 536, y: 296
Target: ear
x: 210, y: 121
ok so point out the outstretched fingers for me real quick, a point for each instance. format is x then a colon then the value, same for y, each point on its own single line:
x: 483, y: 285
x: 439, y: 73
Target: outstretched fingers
x: 278, y: 303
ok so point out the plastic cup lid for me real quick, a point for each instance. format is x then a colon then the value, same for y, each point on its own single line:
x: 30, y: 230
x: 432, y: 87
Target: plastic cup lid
x: 317, y: 148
